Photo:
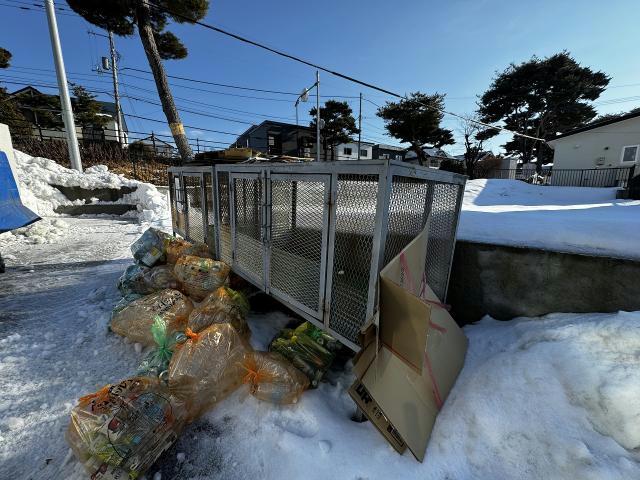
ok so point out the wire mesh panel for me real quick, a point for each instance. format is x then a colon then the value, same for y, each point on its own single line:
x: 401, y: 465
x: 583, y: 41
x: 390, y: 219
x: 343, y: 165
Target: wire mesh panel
x: 409, y: 202
x: 248, y: 231
x: 195, y: 207
x: 179, y: 206
x: 298, y: 238
x: 210, y: 210
x: 224, y: 218
x: 355, y: 219
x: 445, y: 209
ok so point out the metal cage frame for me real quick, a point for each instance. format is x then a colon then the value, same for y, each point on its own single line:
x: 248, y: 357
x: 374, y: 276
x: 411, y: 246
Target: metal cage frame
x: 332, y: 228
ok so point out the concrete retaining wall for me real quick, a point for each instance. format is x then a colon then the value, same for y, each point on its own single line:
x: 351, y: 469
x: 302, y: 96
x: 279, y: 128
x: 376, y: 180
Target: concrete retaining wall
x: 507, y: 282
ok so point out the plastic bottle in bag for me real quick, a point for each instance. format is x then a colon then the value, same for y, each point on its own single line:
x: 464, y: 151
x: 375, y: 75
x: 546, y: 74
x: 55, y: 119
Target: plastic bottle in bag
x: 135, y: 320
x: 144, y: 280
x: 207, y: 367
x: 224, y: 305
x: 177, y: 247
x: 125, y: 427
x: 149, y: 248
x: 272, y: 378
x: 156, y: 363
x: 200, y: 276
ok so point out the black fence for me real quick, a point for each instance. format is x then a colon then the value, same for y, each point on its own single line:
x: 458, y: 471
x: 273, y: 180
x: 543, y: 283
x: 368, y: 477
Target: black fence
x: 141, y: 156
x: 590, y: 177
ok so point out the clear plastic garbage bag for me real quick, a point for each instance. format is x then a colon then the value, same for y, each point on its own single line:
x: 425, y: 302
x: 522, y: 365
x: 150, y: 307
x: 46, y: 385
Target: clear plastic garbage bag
x: 200, y: 276
x: 224, y: 305
x: 135, y: 320
x: 272, y: 378
x: 122, y: 429
x: 207, y: 367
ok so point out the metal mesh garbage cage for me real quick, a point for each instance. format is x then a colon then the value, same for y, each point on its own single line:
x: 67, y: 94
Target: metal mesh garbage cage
x: 316, y: 235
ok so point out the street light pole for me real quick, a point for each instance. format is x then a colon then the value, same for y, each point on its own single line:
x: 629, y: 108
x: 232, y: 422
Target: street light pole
x: 317, y: 115
x: 65, y: 101
x: 359, y: 125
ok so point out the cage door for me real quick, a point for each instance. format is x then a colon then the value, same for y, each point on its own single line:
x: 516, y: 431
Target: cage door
x: 195, y: 207
x: 247, y: 239
x: 297, y: 240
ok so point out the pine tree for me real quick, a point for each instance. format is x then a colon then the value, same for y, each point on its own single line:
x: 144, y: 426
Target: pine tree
x: 416, y: 120
x: 542, y: 98
x: 10, y: 114
x: 86, y: 109
x: 122, y: 17
x: 336, y: 124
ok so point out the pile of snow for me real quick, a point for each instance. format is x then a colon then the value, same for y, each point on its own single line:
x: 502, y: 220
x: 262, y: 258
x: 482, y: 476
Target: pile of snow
x: 568, y: 219
x: 45, y: 231
x: 37, y: 175
x: 550, y: 397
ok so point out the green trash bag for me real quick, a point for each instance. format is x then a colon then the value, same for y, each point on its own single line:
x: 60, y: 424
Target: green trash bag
x: 157, y: 361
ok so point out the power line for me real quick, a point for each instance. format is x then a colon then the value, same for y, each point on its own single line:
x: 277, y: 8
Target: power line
x: 187, y: 126
x: 328, y: 70
x: 32, y: 9
x: 206, y: 82
x: 27, y: 80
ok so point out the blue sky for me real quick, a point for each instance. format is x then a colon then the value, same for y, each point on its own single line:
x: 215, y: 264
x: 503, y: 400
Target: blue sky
x: 452, y: 47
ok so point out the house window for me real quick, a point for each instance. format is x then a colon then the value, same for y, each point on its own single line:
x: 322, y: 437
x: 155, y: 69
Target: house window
x: 363, y: 153
x: 384, y: 156
x: 346, y: 151
x: 630, y: 153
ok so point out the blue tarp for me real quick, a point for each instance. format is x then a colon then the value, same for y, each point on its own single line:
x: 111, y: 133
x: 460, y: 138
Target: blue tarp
x: 12, y: 213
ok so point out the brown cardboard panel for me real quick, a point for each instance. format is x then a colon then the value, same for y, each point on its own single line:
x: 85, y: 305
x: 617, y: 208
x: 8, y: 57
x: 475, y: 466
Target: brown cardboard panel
x: 405, y: 397
x: 406, y: 322
x: 421, y: 352
x: 374, y: 413
x: 403, y: 316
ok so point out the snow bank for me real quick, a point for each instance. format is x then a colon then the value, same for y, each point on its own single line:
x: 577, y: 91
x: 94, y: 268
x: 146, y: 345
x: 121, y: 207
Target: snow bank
x: 569, y: 219
x: 37, y: 175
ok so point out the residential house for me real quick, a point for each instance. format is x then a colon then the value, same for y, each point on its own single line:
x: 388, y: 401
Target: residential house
x: 613, y: 143
x: 88, y: 132
x: 435, y: 156
x: 152, y: 145
x: 349, y: 151
x: 388, y: 152
x: 279, y: 138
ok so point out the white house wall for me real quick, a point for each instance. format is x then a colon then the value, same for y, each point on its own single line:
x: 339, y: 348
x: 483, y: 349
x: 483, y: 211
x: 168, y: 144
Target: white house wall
x: 582, y: 150
x: 354, y: 151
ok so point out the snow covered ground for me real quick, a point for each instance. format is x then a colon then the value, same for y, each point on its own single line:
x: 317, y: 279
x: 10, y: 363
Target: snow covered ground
x: 568, y: 219
x: 557, y: 397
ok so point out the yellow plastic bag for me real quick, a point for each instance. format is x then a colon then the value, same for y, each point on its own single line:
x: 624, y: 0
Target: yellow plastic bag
x: 224, y: 305
x: 207, y: 367
x: 200, y: 276
x: 272, y: 378
x: 135, y: 320
x: 176, y: 248
x: 122, y: 429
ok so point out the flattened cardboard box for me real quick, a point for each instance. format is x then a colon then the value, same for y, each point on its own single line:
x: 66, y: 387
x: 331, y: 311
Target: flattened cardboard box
x: 401, y: 388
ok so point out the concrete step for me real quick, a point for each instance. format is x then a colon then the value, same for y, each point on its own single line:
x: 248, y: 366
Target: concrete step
x: 102, y: 194
x: 96, y: 209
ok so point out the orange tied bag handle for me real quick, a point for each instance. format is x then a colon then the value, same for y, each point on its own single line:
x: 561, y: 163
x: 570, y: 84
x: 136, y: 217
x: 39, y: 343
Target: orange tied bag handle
x: 100, y: 394
x: 191, y: 335
x: 254, y: 374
